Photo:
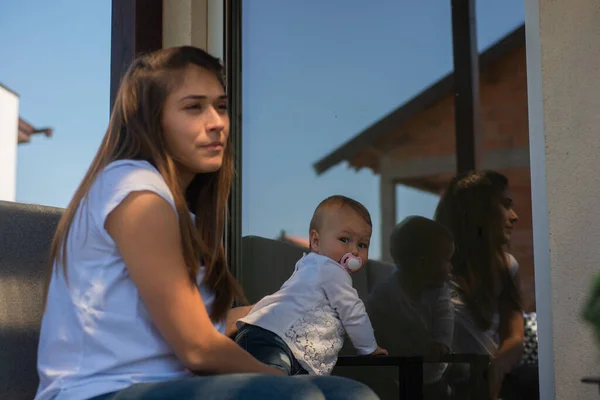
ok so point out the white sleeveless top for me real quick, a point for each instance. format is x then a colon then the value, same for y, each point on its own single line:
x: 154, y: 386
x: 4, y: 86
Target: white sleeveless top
x: 468, y: 337
x: 97, y: 336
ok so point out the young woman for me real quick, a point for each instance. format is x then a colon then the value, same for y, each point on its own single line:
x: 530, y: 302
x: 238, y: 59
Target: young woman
x: 478, y: 210
x: 140, y: 292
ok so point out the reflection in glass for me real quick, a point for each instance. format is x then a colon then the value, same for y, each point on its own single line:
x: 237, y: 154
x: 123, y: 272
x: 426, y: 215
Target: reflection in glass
x: 320, y: 95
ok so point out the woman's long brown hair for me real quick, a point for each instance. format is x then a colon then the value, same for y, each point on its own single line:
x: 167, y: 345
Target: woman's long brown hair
x: 135, y: 132
x: 470, y: 208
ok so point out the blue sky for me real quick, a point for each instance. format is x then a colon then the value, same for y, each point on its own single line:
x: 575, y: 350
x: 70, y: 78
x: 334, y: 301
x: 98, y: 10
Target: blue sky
x: 315, y: 74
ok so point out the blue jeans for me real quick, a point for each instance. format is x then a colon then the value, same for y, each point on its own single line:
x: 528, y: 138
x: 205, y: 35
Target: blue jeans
x: 269, y: 349
x: 247, y: 387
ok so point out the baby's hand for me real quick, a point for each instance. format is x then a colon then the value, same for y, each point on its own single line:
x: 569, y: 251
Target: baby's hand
x: 379, y: 352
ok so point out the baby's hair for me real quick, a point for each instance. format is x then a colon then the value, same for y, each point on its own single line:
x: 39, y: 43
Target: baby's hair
x: 337, y: 201
x: 417, y: 237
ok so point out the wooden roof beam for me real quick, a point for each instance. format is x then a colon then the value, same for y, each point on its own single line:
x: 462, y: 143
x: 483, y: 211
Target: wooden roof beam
x: 426, y: 167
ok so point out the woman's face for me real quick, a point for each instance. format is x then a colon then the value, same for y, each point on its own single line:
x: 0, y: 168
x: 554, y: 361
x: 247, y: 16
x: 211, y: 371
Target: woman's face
x: 196, y: 123
x: 508, y: 216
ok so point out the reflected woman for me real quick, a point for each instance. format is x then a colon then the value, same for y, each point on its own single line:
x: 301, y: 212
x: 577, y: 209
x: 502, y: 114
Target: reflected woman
x: 478, y: 209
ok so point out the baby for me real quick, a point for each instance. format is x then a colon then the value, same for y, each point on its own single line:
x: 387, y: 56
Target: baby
x: 412, y: 311
x: 300, y: 329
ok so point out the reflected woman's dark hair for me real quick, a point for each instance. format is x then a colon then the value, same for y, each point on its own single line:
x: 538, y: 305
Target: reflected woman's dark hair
x: 471, y: 208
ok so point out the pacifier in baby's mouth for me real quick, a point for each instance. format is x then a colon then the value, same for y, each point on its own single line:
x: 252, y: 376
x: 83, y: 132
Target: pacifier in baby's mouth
x: 350, y: 262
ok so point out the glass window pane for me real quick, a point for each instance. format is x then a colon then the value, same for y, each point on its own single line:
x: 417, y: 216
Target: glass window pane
x: 344, y: 99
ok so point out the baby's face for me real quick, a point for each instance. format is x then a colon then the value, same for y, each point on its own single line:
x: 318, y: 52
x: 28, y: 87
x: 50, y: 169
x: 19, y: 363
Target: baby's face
x: 343, y: 231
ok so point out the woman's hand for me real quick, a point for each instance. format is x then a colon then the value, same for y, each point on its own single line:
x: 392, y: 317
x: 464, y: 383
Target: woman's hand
x: 510, y: 351
x: 379, y: 352
x: 233, y: 316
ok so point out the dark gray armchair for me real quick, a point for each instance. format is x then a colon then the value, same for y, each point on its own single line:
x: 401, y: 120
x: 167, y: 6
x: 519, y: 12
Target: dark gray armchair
x: 25, y: 235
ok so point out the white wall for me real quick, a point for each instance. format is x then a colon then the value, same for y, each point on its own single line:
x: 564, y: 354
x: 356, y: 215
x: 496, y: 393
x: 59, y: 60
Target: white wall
x: 194, y: 22
x: 563, y: 59
x: 9, y: 125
